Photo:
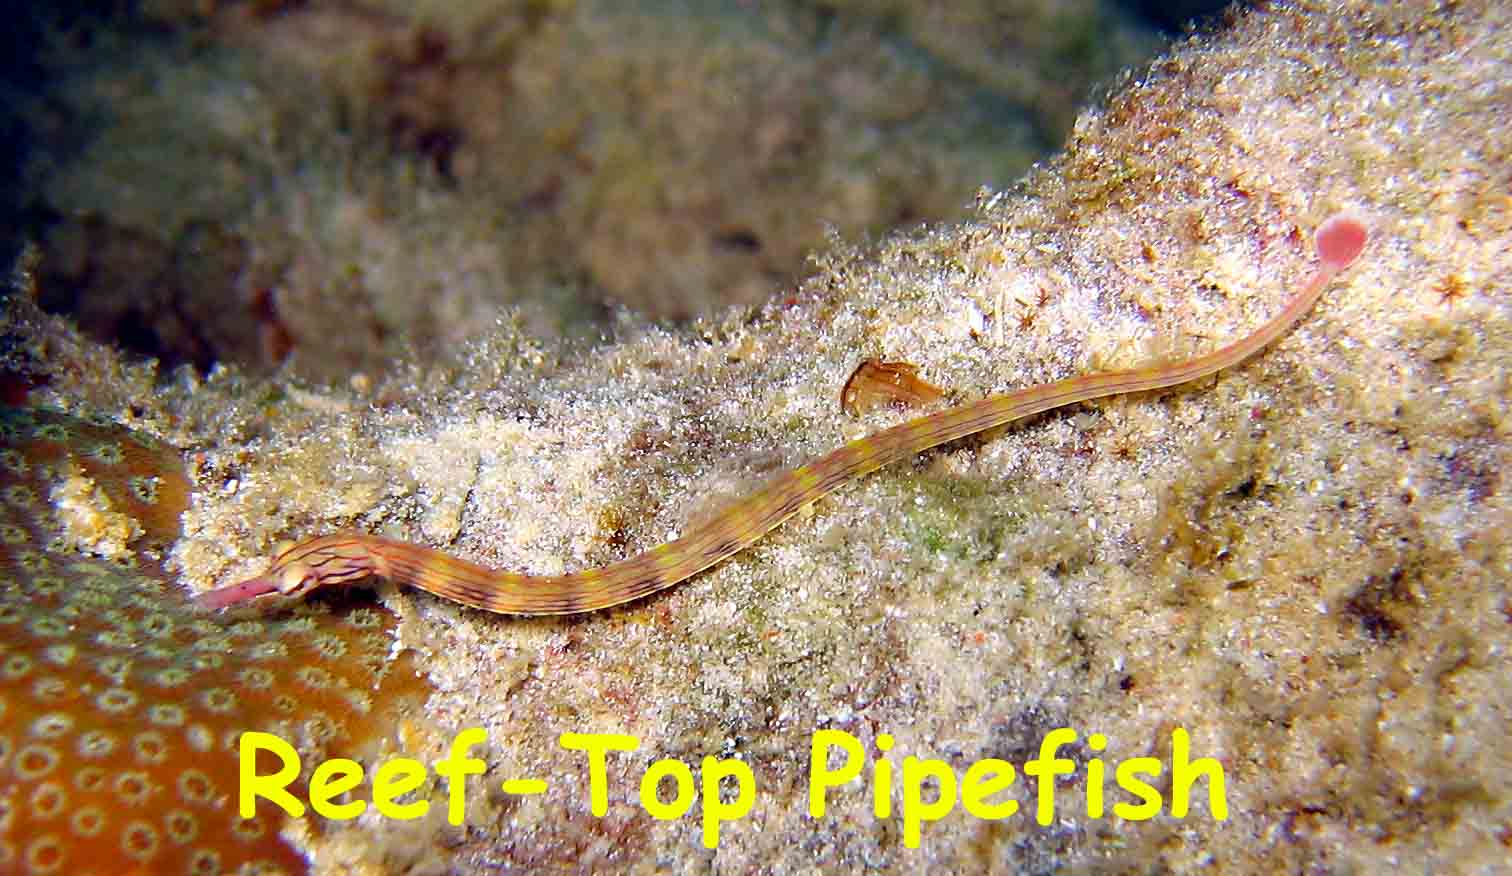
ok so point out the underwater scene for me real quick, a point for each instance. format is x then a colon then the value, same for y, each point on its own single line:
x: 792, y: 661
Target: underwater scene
x: 725, y: 437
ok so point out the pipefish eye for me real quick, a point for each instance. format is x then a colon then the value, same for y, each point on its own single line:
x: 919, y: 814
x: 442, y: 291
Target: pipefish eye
x: 294, y: 578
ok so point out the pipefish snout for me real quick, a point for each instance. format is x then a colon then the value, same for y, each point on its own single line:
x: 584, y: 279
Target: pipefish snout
x: 346, y: 557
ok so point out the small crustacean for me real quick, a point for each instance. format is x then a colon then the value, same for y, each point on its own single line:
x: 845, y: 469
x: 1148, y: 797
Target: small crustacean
x: 344, y: 558
x: 875, y: 383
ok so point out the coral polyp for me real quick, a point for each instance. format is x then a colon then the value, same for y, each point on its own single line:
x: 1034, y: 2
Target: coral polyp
x: 120, y: 704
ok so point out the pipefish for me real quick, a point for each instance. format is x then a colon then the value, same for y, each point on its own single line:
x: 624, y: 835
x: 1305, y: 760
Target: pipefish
x: 347, y: 557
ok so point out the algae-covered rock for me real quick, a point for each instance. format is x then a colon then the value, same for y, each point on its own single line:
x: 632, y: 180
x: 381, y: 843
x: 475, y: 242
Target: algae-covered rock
x: 334, y: 185
x: 1297, y: 569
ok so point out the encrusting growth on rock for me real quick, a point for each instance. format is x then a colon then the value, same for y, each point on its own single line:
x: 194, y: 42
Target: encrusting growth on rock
x: 348, y: 557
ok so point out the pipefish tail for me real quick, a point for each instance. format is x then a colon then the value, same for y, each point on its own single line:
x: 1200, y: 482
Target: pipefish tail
x: 347, y: 557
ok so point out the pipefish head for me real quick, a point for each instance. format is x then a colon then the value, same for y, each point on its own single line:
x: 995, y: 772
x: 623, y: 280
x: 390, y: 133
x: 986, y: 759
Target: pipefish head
x: 298, y: 570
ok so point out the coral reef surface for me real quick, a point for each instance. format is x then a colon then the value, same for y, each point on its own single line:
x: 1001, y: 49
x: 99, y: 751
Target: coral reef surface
x: 1295, y: 573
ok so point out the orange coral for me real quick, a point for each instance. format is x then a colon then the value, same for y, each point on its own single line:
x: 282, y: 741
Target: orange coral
x: 121, y: 705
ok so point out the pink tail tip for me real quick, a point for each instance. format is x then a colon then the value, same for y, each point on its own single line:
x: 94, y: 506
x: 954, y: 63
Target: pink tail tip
x: 1340, y: 239
x: 236, y: 593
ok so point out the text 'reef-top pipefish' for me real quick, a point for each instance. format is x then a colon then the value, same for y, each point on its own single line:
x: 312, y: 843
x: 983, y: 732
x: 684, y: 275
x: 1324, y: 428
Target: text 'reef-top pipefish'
x: 348, y: 557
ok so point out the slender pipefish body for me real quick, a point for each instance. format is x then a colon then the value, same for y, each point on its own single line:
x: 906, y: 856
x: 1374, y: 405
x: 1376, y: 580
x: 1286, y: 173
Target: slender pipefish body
x: 349, y: 557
